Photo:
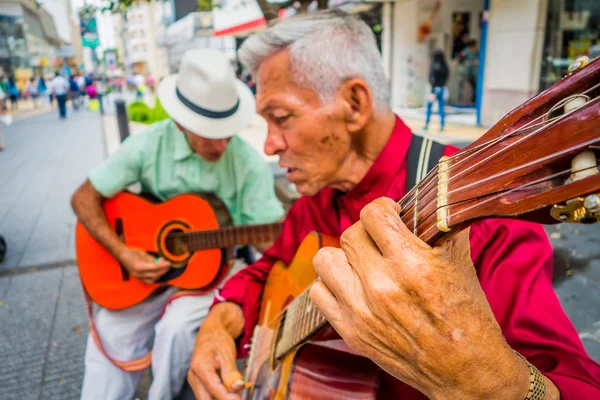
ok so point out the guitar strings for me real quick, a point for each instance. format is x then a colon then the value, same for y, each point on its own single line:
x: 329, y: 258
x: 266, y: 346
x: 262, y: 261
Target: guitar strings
x: 518, y: 131
x: 432, y: 175
x: 505, y: 192
x: 423, y: 219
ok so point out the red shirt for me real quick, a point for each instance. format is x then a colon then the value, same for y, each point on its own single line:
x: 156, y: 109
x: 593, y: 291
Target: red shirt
x: 513, y: 260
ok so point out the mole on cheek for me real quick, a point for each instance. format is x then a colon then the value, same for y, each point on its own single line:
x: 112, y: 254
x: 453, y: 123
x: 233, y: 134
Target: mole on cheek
x: 325, y: 140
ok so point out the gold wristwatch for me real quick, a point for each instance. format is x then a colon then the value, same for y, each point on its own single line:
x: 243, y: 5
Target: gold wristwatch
x: 537, y: 384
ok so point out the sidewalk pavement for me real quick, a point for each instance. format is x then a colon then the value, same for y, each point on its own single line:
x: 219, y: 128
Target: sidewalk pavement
x: 43, y: 319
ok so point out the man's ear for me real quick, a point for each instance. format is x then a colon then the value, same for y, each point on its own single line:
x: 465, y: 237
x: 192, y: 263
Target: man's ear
x: 358, y: 103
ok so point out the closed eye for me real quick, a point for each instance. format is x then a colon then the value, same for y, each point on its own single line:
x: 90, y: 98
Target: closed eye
x: 281, y: 120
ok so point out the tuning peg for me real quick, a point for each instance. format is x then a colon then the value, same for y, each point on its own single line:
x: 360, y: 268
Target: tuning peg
x: 578, y: 63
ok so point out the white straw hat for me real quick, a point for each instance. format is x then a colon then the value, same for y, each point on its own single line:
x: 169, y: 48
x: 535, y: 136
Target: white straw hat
x: 205, y: 97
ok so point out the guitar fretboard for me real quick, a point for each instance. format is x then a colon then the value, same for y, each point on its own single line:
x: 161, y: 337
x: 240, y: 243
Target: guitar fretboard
x: 231, y: 236
x: 300, y: 319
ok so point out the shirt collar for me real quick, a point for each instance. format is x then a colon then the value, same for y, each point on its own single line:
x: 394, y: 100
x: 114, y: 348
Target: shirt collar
x: 182, y: 147
x: 389, y: 162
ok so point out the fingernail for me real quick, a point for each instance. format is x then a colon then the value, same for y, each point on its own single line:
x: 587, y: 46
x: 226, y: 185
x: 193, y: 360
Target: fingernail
x: 238, y: 384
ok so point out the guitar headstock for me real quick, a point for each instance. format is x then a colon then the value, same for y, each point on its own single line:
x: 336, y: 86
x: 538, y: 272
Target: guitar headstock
x: 538, y: 163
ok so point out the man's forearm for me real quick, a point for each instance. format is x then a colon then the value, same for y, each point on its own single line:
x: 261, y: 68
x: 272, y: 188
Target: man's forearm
x: 87, y: 205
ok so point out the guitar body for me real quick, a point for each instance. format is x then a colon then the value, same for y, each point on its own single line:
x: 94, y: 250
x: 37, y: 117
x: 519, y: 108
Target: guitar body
x: 149, y: 227
x: 322, y: 368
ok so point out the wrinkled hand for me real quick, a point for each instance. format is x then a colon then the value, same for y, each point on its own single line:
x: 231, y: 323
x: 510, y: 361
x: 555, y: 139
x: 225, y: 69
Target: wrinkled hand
x: 213, y: 361
x: 143, y: 266
x: 418, y: 312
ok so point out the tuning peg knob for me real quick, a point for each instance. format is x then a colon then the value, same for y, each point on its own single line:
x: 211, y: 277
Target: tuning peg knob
x: 578, y: 63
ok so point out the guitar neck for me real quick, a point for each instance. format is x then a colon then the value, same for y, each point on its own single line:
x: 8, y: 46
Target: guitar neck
x: 302, y: 318
x: 231, y: 236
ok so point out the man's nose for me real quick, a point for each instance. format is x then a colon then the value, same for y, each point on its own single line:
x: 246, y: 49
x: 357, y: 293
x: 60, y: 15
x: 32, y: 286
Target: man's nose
x: 274, y: 143
x: 220, y: 145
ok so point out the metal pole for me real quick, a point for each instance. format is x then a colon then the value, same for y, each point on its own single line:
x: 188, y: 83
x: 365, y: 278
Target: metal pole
x: 481, y: 69
x: 122, y: 120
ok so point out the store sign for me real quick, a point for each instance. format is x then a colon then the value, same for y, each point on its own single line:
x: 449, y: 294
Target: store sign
x: 110, y: 58
x: 234, y: 16
x: 89, y: 32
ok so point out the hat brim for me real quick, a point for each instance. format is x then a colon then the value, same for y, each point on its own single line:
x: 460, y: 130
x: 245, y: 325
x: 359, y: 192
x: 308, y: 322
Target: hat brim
x: 210, y: 128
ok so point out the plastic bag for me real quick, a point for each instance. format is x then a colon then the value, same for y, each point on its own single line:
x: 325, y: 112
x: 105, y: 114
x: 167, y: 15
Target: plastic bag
x: 6, y: 119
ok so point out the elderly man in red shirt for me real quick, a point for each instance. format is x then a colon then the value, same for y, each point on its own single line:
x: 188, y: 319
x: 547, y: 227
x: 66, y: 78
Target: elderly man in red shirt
x: 323, y: 91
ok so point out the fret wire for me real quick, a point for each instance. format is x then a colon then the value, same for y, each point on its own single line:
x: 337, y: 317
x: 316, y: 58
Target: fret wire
x: 306, y: 312
x: 302, y: 314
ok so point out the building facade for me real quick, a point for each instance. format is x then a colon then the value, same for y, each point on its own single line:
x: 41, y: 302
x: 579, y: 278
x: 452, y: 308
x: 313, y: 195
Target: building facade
x: 522, y: 47
x: 29, y: 43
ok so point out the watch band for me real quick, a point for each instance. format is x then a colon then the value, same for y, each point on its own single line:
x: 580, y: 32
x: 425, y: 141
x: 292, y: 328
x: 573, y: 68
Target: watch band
x: 537, y: 384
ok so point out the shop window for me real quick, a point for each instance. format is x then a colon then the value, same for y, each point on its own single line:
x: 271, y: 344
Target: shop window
x: 572, y: 30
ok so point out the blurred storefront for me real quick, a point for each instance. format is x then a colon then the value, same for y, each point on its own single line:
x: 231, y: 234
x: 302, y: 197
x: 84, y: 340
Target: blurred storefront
x: 572, y: 30
x: 13, y: 44
x: 28, y: 39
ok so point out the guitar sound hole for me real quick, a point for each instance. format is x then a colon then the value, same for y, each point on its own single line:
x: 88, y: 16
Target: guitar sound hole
x: 175, y: 245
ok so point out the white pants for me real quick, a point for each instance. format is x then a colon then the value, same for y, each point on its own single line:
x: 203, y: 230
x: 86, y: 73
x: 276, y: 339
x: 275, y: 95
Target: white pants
x: 130, y: 333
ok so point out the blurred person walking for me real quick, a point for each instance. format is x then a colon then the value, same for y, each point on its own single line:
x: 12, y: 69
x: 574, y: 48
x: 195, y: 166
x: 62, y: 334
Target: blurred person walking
x: 2, y: 113
x: 60, y: 89
x: 438, y: 77
x: 13, y: 93
x: 32, y: 89
x: 101, y: 88
x: 42, y: 89
x: 74, y: 92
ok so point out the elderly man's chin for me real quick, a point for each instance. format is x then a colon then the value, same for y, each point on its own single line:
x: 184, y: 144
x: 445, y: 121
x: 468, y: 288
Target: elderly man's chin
x: 306, y: 188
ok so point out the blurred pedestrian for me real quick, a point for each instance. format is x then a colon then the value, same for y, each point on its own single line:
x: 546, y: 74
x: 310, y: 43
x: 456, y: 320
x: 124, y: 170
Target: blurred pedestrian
x: 32, y: 89
x: 470, y: 63
x: 60, y: 89
x: 140, y: 86
x: 13, y: 93
x: 47, y: 82
x: 82, y: 89
x: 438, y: 77
x: 42, y: 88
x: 2, y: 113
x: 102, y: 88
x: 74, y: 93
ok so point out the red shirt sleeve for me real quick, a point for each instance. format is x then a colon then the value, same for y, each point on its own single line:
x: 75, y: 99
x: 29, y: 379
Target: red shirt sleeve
x: 245, y: 288
x: 514, y: 263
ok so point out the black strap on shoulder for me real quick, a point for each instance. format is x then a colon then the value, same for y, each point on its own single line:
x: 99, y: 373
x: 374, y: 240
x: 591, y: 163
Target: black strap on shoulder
x: 423, y: 156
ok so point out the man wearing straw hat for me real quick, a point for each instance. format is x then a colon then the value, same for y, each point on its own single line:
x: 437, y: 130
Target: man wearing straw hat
x: 196, y: 150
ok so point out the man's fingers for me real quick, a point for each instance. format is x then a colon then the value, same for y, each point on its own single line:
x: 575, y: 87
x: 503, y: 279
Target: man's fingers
x: 358, y: 245
x: 212, y: 383
x: 326, y: 303
x: 332, y: 266
x: 381, y: 220
x: 200, y: 393
x: 231, y: 377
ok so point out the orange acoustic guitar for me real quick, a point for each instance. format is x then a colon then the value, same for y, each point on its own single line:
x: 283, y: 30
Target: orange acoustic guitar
x: 183, y: 230
x: 539, y: 163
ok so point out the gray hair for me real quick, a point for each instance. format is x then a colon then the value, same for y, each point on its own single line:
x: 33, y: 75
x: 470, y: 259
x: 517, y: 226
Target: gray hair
x: 326, y: 49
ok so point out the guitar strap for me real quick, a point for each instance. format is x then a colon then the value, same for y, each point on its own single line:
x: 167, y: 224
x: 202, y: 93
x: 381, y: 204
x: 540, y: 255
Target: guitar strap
x: 423, y: 155
x: 144, y: 361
